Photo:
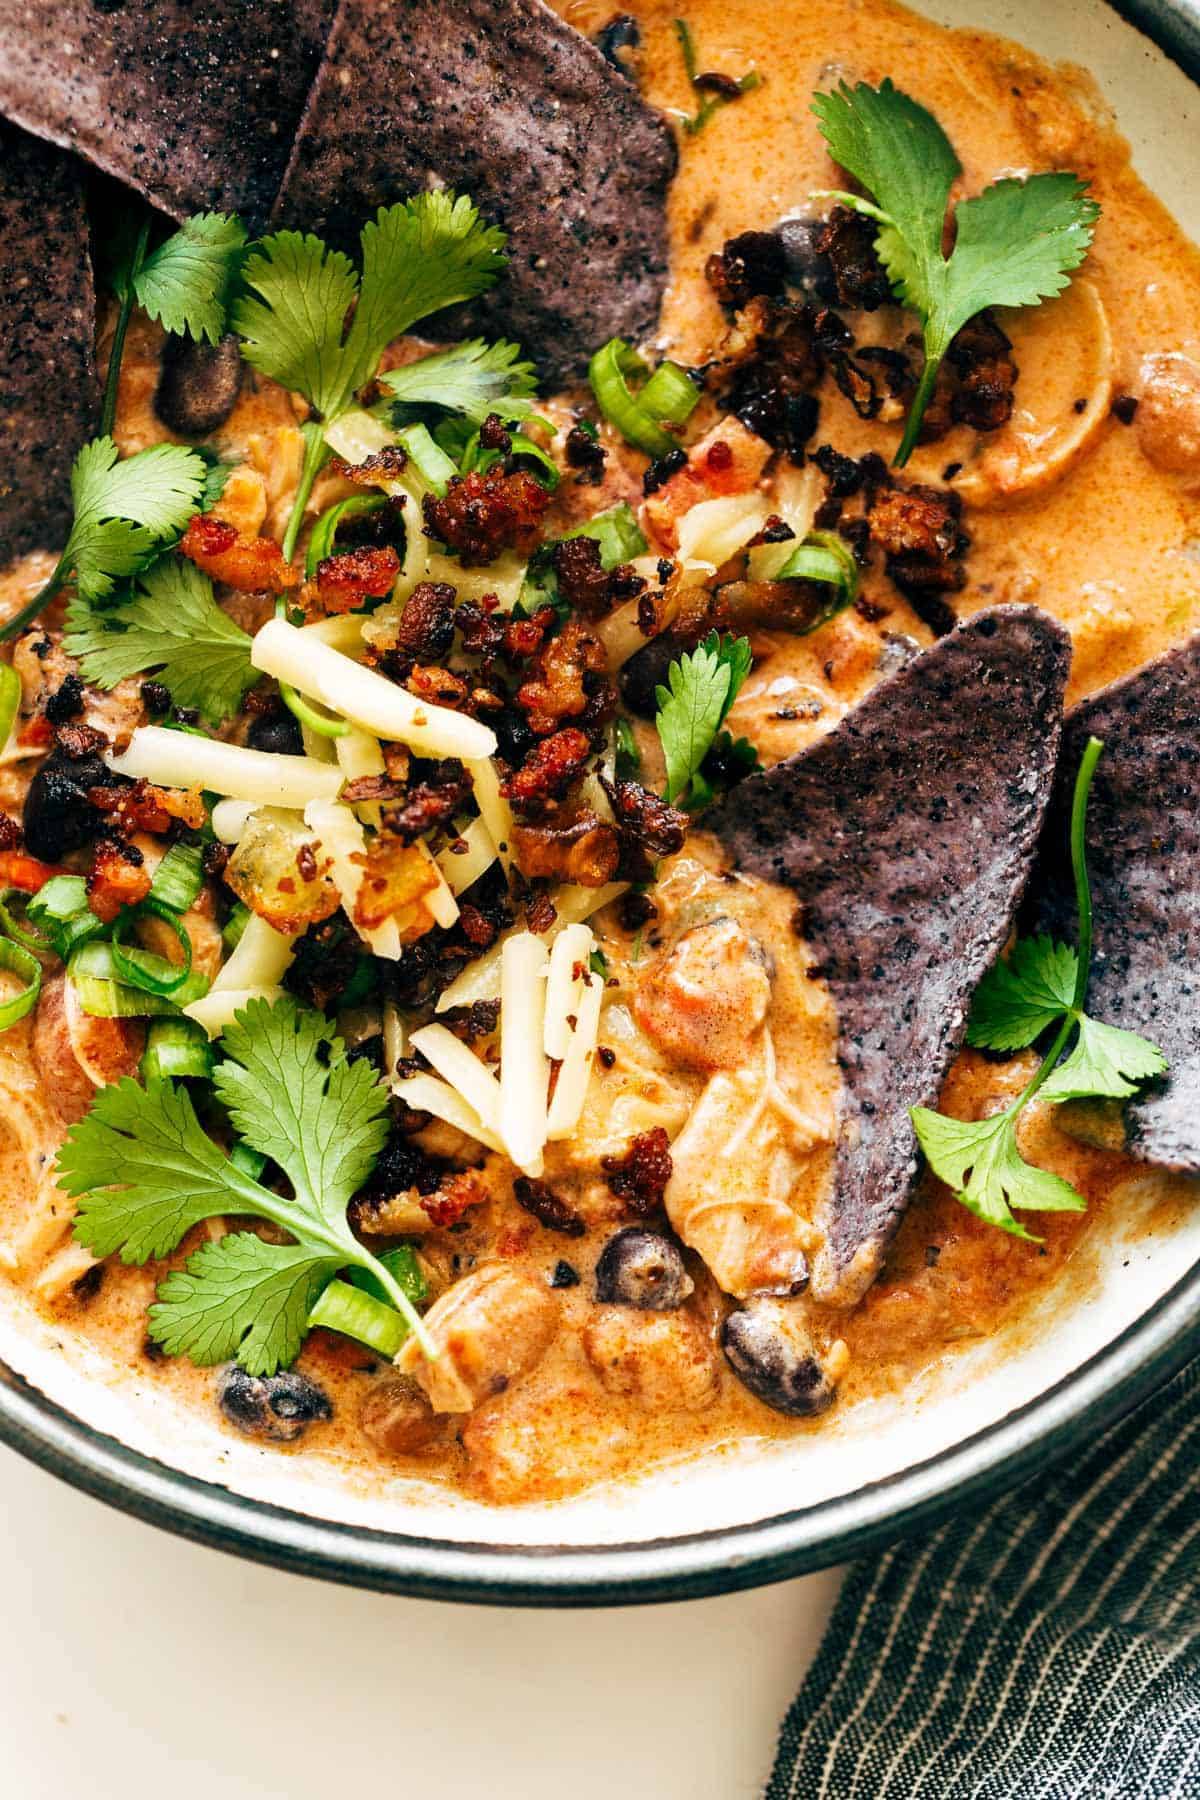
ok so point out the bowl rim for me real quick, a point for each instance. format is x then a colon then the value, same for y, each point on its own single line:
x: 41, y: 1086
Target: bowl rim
x: 1074, y: 1410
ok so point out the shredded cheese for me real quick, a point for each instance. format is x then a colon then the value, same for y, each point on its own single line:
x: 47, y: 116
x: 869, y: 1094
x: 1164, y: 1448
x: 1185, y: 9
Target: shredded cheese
x: 524, y: 1071
x: 714, y: 530
x: 463, y: 1070
x: 344, y: 842
x: 229, y: 819
x: 570, y: 1090
x: 622, y: 635
x: 261, y: 958
x: 177, y: 759
x: 364, y: 696
x: 425, y: 1093
x: 216, y: 1010
x: 493, y: 807
x: 564, y: 988
x: 468, y: 855
x: 439, y: 899
x: 480, y: 980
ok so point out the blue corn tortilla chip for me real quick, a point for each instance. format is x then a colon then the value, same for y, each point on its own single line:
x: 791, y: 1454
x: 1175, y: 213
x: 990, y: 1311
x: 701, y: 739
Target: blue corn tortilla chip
x: 498, y: 99
x: 49, y: 390
x: 192, y: 102
x: 1143, y: 857
x: 907, y: 835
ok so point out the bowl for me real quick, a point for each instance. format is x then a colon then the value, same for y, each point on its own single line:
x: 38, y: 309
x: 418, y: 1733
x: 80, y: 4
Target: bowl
x: 749, y: 1513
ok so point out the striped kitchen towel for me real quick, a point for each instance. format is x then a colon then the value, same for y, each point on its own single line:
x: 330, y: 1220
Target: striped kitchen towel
x: 1044, y: 1648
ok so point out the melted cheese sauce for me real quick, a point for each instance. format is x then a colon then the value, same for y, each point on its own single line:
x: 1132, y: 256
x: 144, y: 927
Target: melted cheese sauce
x: 1094, y: 520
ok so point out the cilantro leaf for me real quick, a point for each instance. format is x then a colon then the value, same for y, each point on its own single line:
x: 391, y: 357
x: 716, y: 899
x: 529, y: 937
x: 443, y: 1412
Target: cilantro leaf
x: 475, y: 379
x: 1105, y: 1063
x: 418, y: 257
x: 1015, y: 244
x: 241, y: 1297
x: 170, y: 623
x: 186, y: 284
x: 981, y: 1162
x: 1019, y: 999
x: 701, y: 687
x: 144, y: 1171
x: 125, y: 509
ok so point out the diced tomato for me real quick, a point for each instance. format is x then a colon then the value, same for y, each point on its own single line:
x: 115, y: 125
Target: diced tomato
x: 730, y: 460
x: 25, y: 872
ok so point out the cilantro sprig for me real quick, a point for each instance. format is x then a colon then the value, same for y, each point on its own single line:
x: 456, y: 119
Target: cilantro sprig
x: 1043, y: 985
x: 170, y: 623
x: 702, y: 685
x: 418, y: 257
x: 144, y: 1172
x: 473, y: 378
x: 1015, y: 244
x: 126, y: 512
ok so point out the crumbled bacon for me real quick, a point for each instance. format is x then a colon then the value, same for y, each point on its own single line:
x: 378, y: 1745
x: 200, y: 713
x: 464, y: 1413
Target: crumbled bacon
x: 118, y: 878
x: 78, y: 741
x: 586, y: 851
x: 919, y: 530
x: 352, y: 577
x: 385, y: 465
x: 140, y: 806
x: 10, y: 832
x: 547, y: 1207
x: 66, y: 702
x: 557, y: 688
x: 586, y: 455
x: 751, y: 264
x: 478, y: 1020
x: 640, y: 1177
x: 540, y: 913
x: 452, y: 1198
x: 493, y: 435
x: 425, y: 629
x: 847, y: 240
x: 551, y: 768
x: 253, y: 565
x: 430, y: 801
x: 477, y: 928
x: 440, y: 687
x: 649, y: 828
x: 585, y: 585
x: 483, y: 515
x: 980, y: 355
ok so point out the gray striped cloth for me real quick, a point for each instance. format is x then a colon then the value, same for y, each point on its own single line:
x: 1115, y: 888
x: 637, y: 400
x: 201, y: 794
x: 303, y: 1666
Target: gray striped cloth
x: 1045, y: 1648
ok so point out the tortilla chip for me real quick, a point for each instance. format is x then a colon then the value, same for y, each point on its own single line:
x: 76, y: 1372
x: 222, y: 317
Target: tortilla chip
x: 500, y: 100
x: 49, y: 390
x: 907, y: 835
x: 1143, y: 856
x: 193, y: 104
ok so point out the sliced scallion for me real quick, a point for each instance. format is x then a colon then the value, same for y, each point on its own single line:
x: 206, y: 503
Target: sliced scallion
x: 618, y: 534
x: 14, y: 922
x: 668, y: 398
x: 61, y: 912
x: 145, y: 969
x: 17, y: 960
x: 360, y: 1315
x: 325, y: 724
x: 824, y: 557
x: 179, y: 877
x: 402, y: 1265
x: 176, y: 1049
x: 235, y: 924
x: 432, y: 464
x: 324, y: 532
x: 10, y: 699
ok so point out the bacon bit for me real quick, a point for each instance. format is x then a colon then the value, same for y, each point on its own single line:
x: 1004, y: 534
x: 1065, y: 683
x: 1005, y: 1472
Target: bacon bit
x: 482, y: 515
x: 10, y: 832
x: 753, y: 263
x: 452, y: 1199
x: 475, y: 1021
x: 425, y: 628
x: 352, y: 577
x: 430, y: 802
x: 556, y: 690
x: 367, y: 788
x: 438, y: 686
x: 396, y: 879
x: 650, y: 828
x: 78, y: 741
x: 36, y: 733
x: 141, y: 806
x: 586, y: 454
x: 547, y: 1207
x: 848, y: 241
x: 385, y: 465
x: 705, y: 479
x: 19, y: 870
x: 115, y: 881
x: 252, y: 565
x: 477, y: 928
x: 585, y: 585
x: 550, y: 769
x: 585, y: 851
x: 540, y: 913
x: 640, y: 1177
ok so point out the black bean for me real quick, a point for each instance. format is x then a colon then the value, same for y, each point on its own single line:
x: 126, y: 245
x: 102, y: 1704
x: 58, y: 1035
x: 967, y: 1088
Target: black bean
x: 198, y: 384
x: 277, y: 732
x: 643, y: 1269
x: 279, y: 1407
x: 768, y: 1347
x: 58, y: 815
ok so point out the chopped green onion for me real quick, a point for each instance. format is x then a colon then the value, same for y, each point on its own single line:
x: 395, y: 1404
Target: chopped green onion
x: 824, y: 557
x: 93, y: 973
x: 10, y: 699
x: 324, y: 532
x: 60, y: 910
x: 14, y: 902
x: 176, y: 1049
x: 250, y: 1162
x: 670, y: 396
x: 325, y: 724
x: 526, y: 447
x: 618, y: 534
x: 629, y: 757
x: 431, y: 463
x: 360, y: 1315
x: 607, y: 373
x: 145, y: 969
x: 178, y: 877
x: 402, y: 1265
x: 17, y: 960
x: 235, y: 924
x: 709, y: 102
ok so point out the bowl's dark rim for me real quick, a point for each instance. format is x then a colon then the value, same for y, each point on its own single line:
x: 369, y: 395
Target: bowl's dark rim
x: 1047, y: 1429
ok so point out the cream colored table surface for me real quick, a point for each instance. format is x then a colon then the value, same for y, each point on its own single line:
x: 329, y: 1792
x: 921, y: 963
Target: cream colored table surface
x: 134, y: 1666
